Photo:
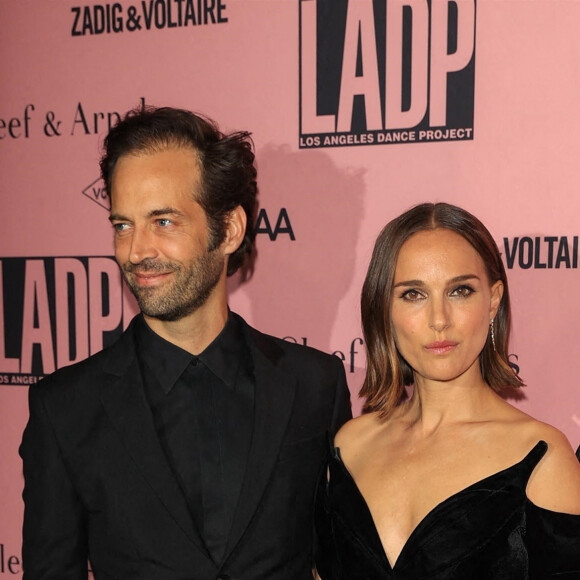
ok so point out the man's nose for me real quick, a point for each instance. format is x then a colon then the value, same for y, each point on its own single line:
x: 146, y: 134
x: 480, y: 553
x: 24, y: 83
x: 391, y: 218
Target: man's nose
x: 142, y: 245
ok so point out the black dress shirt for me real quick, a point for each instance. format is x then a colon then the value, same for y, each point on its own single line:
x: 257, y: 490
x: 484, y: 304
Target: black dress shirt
x: 203, y: 410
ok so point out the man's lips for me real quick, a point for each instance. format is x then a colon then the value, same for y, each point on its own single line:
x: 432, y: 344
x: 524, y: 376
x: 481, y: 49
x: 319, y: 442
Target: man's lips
x: 441, y: 346
x: 149, y: 278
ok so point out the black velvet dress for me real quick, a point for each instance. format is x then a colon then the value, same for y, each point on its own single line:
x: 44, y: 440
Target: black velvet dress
x: 488, y: 531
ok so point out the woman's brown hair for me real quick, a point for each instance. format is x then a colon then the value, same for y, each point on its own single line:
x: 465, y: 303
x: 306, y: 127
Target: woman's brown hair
x: 387, y: 372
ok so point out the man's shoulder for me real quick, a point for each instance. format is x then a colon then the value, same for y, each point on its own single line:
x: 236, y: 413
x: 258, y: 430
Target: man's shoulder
x: 88, y: 370
x: 319, y: 377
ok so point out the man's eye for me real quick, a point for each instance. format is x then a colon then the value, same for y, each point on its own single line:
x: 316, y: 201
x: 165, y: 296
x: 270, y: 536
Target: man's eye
x: 164, y: 222
x: 120, y: 227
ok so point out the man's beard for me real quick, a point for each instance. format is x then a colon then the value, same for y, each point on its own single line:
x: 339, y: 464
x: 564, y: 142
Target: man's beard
x: 188, y: 290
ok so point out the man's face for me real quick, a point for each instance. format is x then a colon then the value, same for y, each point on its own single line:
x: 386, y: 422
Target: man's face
x: 161, y: 233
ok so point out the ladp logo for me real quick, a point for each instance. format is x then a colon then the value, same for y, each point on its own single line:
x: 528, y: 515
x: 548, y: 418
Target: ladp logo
x: 386, y: 71
x: 55, y: 311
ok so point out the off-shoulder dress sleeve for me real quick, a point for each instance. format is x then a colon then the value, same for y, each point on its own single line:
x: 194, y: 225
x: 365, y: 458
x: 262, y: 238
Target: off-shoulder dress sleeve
x: 553, y: 543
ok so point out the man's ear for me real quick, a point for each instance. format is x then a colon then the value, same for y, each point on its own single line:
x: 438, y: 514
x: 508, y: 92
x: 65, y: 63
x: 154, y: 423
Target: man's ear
x: 235, y: 230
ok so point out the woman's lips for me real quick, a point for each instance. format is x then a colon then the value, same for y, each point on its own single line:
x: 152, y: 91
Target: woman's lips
x: 441, y: 346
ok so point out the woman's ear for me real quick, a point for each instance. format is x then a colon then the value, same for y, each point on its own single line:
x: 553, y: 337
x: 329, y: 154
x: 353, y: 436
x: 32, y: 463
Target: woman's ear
x: 496, y: 296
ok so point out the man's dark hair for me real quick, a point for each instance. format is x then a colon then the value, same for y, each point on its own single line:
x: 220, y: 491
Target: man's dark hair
x: 228, y: 174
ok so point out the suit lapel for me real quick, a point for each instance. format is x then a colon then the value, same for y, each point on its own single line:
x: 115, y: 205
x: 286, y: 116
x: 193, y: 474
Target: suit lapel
x: 124, y: 401
x: 274, y: 395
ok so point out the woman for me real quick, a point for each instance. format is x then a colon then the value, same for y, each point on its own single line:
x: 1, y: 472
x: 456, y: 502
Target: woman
x: 451, y: 482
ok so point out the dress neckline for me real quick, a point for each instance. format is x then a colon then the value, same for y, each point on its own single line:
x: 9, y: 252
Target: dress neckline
x: 532, y: 458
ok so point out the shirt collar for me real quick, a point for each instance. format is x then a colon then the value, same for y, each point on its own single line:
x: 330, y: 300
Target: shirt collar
x: 223, y: 357
x: 228, y: 351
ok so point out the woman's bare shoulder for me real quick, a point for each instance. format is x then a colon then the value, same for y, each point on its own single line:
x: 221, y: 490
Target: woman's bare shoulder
x: 555, y: 483
x: 357, y: 432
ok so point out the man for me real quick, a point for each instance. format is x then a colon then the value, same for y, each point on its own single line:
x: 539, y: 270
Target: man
x: 191, y: 448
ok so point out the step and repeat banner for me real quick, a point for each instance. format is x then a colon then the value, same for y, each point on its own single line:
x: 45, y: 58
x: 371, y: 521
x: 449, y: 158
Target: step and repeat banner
x: 359, y: 109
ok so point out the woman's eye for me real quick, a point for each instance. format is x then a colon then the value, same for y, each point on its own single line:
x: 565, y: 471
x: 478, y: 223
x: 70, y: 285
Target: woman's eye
x: 463, y: 291
x: 411, y: 295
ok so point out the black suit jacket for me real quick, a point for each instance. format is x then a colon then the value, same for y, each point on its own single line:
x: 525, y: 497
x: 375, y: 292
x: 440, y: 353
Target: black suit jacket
x: 98, y: 486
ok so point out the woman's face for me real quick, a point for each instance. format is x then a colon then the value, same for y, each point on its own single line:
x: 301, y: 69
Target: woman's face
x: 442, y: 305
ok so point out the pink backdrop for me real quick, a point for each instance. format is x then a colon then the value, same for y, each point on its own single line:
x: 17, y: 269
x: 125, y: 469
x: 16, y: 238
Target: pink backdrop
x: 511, y: 160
